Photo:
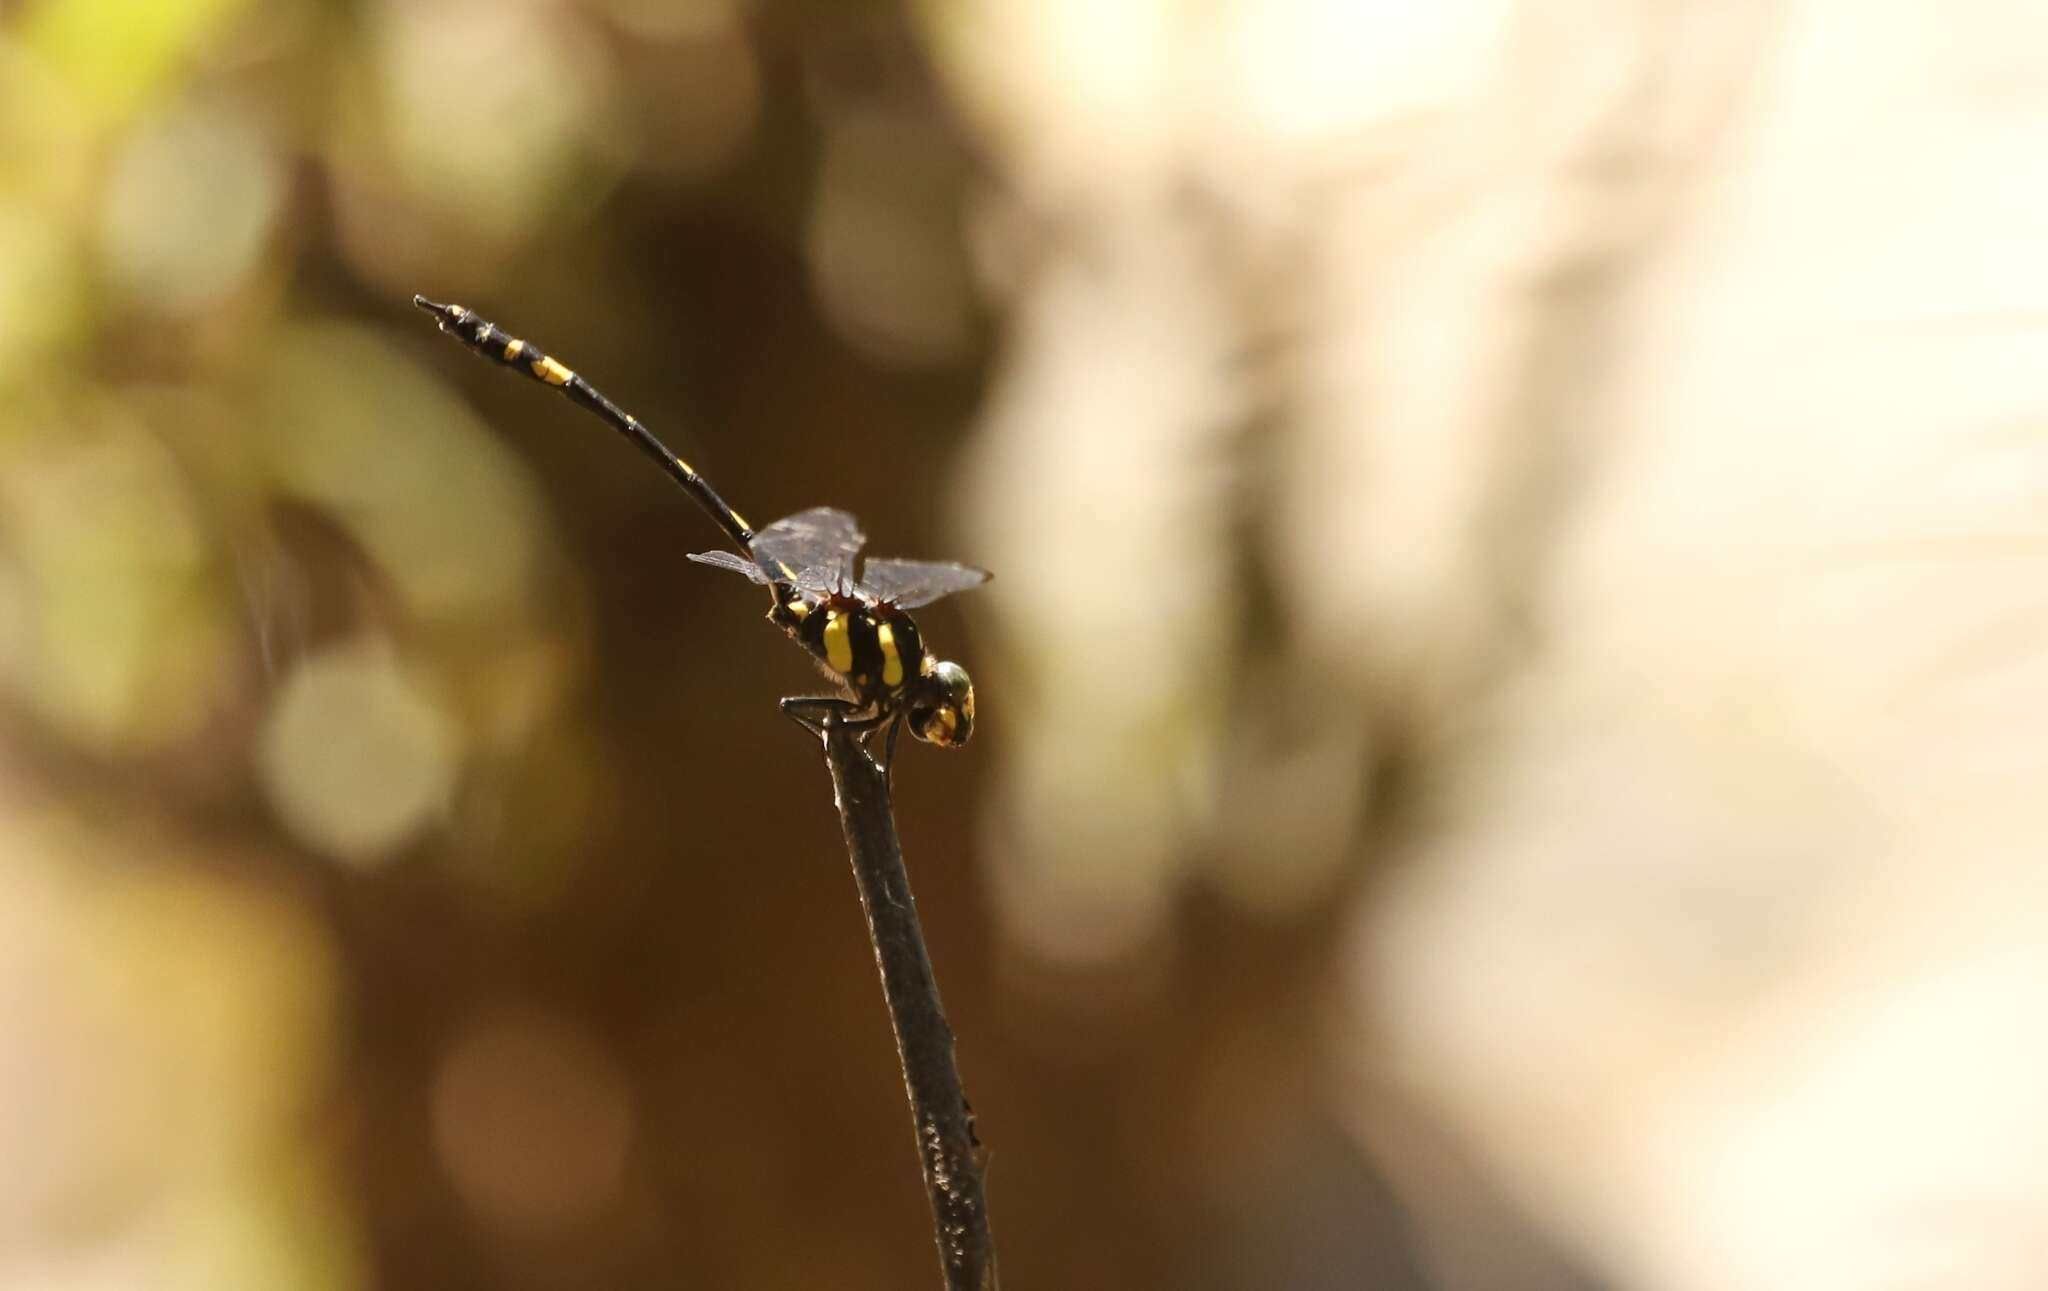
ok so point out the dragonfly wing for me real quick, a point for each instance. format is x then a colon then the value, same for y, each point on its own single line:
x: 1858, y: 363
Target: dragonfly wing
x: 827, y: 579
x: 727, y: 560
x: 813, y: 550
x: 911, y: 583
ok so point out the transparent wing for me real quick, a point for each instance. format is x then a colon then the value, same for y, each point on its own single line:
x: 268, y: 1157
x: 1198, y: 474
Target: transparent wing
x: 911, y: 583
x: 813, y: 550
x: 726, y: 560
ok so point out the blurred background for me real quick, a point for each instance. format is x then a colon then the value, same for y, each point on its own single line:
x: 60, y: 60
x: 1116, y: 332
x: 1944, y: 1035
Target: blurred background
x: 1510, y: 705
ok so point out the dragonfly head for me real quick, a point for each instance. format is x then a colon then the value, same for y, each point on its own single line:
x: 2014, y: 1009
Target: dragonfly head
x: 941, y: 708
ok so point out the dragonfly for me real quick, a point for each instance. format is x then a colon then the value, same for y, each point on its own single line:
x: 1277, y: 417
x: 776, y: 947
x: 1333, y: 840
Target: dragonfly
x: 851, y: 615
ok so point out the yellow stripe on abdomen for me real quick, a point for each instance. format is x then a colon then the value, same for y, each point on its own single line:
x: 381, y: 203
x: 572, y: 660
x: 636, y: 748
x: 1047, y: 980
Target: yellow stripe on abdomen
x: 892, y: 662
x: 838, y: 642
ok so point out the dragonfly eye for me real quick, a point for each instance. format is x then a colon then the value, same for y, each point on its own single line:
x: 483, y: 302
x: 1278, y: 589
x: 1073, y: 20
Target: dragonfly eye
x: 944, y: 713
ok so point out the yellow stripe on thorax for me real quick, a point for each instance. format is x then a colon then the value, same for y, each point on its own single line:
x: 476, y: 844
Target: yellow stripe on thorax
x: 892, y: 662
x: 838, y: 642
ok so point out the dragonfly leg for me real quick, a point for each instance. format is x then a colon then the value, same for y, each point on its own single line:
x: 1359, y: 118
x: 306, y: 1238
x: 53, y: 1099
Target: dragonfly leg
x: 889, y: 754
x: 817, y: 712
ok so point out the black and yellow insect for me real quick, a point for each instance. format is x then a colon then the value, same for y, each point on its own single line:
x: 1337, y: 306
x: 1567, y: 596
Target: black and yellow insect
x: 856, y: 625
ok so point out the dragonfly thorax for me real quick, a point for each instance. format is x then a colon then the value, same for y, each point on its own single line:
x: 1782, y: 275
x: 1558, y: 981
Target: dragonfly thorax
x: 872, y: 647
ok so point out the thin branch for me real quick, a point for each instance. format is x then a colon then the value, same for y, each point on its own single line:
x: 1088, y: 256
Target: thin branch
x: 946, y: 1145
